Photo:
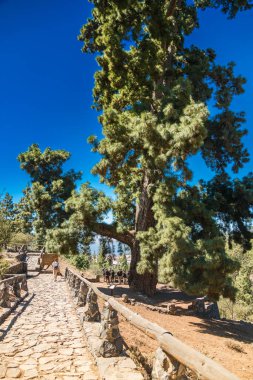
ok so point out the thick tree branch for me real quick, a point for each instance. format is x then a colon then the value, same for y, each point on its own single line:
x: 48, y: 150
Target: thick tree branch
x: 172, y: 7
x: 110, y: 231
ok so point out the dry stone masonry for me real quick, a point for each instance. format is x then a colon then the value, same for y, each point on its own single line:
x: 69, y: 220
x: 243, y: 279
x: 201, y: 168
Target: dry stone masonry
x: 166, y: 367
x: 102, y: 333
x: 112, y: 344
x: 12, y: 290
x: 91, y: 310
x: 82, y: 295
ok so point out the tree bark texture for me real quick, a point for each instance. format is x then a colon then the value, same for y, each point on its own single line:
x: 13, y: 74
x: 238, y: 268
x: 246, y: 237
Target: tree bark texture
x: 144, y: 283
x: 144, y: 219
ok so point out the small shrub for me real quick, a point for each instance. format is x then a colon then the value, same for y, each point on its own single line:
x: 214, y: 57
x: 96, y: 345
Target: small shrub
x: 21, y: 238
x: 238, y: 310
x: 95, y: 268
x: 82, y: 262
x: 3, y: 266
x: 79, y: 261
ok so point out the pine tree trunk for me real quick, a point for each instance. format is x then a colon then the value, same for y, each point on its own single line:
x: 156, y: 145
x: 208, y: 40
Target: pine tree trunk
x: 144, y: 219
x: 144, y: 283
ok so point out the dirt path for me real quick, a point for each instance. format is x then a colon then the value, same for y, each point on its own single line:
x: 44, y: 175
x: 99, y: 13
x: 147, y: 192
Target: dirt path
x: 45, y: 341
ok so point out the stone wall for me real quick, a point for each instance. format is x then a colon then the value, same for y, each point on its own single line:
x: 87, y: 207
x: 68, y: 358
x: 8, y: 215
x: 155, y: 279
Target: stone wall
x: 18, y: 268
x: 21, y: 257
x: 104, y: 340
x: 13, y: 290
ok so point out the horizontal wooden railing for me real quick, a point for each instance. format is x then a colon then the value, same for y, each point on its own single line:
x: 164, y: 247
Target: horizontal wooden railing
x: 201, y: 365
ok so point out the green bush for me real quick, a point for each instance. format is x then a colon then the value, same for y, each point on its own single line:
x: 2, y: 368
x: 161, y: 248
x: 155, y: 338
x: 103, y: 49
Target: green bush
x: 82, y: 262
x: 242, y: 308
x: 21, y: 238
x: 95, y: 268
x: 3, y: 266
x: 79, y: 261
x: 237, y: 310
x: 123, y: 262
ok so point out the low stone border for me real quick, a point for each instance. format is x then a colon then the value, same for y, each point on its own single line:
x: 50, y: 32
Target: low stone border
x: 21, y: 257
x: 13, y: 290
x: 12, y: 308
x: 112, y: 368
x: 120, y: 367
x: 19, y: 268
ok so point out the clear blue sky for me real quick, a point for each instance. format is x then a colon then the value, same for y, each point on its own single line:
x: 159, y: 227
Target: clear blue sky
x: 46, y: 82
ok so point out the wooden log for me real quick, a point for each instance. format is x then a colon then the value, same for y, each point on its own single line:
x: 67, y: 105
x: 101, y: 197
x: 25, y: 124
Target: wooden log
x: 205, y: 368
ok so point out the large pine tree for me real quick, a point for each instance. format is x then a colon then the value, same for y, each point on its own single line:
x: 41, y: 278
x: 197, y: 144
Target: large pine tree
x: 152, y: 92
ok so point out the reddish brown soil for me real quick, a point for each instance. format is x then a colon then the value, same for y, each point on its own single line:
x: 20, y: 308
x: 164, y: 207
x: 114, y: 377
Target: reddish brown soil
x: 228, y: 342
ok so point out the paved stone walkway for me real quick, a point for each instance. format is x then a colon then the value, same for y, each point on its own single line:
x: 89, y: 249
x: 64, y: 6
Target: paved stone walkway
x: 44, y: 339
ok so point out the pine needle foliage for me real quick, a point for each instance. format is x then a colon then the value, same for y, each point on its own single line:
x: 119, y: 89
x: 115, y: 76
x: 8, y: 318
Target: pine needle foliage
x: 43, y: 201
x: 152, y: 91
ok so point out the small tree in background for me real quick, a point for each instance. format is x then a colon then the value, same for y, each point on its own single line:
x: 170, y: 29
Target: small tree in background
x: 7, y: 216
x: 82, y: 261
x: 4, y: 265
x: 103, y: 252
x: 120, y: 249
x: 6, y: 231
x: 24, y: 213
x: 242, y: 307
x: 7, y: 209
x: 123, y: 262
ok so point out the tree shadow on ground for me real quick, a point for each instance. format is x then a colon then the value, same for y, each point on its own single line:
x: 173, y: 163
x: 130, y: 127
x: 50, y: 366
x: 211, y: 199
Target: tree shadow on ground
x: 237, y: 330
x: 161, y: 296
x: 12, y: 318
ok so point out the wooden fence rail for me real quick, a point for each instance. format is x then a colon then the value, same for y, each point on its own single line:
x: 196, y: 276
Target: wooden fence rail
x: 178, y: 353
